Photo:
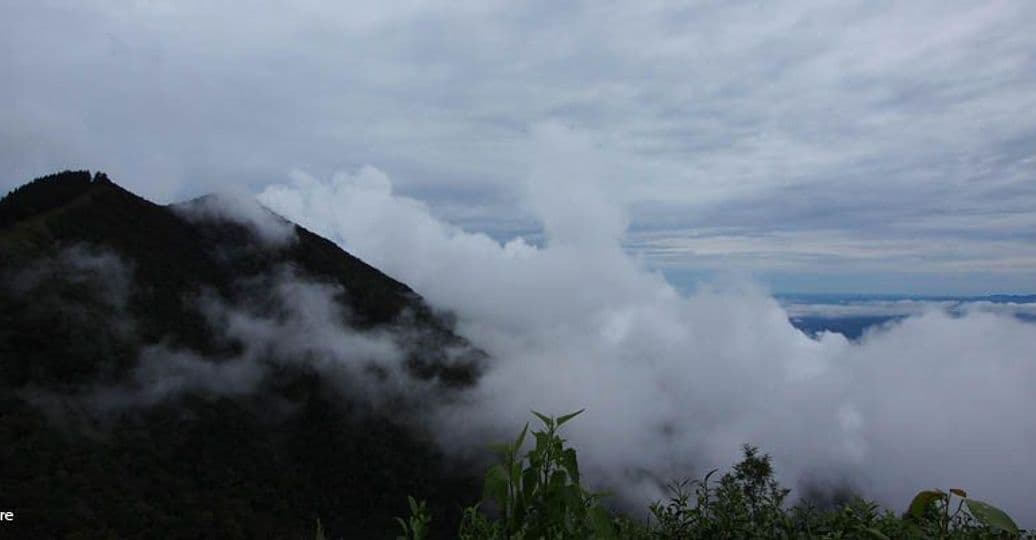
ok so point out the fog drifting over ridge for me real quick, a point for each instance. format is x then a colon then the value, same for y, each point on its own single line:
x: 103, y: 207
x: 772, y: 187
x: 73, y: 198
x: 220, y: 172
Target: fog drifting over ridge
x: 674, y: 384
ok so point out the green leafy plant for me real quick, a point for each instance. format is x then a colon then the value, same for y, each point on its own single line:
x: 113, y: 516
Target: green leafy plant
x: 929, y: 513
x: 745, y: 503
x: 416, y: 526
x: 537, y: 494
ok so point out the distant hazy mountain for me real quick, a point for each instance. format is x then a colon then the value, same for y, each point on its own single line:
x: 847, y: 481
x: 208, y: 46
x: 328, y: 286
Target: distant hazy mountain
x: 208, y: 369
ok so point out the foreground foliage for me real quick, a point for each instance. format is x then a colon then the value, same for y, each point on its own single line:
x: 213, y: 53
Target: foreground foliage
x: 538, y: 495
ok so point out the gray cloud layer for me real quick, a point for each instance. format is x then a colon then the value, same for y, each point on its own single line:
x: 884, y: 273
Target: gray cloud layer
x: 877, y: 145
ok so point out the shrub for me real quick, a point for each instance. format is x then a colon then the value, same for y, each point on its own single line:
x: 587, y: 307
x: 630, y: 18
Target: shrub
x: 538, y: 495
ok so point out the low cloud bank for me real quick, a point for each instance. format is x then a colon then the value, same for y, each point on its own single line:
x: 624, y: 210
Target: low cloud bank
x: 906, y: 308
x: 674, y: 384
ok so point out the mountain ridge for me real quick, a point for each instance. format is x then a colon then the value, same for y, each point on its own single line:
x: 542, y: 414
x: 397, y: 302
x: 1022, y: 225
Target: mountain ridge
x: 107, y: 297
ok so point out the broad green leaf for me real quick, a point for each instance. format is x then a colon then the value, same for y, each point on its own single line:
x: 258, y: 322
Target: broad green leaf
x: 922, y: 500
x: 991, y: 516
x: 573, y: 500
x: 495, y: 486
x: 875, y: 534
x: 320, y: 530
x: 548, y: 421
x: 601, y: 523
x: 557, y: 481
x: 521, y: 438
x: 530, y: 481
x: 567, y: 417
x: 571, y: 464
x: 542, y: 440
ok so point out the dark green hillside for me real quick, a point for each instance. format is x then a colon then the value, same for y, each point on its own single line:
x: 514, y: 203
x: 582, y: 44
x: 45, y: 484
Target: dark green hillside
x: 43, y: 194
x: 92, y: 275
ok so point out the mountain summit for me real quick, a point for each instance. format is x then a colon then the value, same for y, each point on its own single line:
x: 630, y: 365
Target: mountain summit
x: 209, y: 369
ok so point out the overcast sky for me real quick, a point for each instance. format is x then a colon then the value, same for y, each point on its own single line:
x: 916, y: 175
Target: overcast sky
x: 865, y: 146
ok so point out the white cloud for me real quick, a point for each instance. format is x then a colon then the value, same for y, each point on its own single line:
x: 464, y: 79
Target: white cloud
x: 675, y: 384
x: 240, y: 208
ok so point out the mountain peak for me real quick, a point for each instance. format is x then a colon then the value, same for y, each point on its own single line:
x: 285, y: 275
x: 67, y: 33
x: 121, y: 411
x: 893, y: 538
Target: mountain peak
x: 219, y: 345
x: 221, y: 243
x: 46, y: 193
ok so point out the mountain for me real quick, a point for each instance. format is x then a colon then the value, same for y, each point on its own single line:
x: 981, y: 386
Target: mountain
x: 209, y: 369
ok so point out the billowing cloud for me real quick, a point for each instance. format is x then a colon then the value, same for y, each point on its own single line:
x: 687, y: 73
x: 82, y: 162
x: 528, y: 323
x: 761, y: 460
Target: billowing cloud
x: 675, y: 383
